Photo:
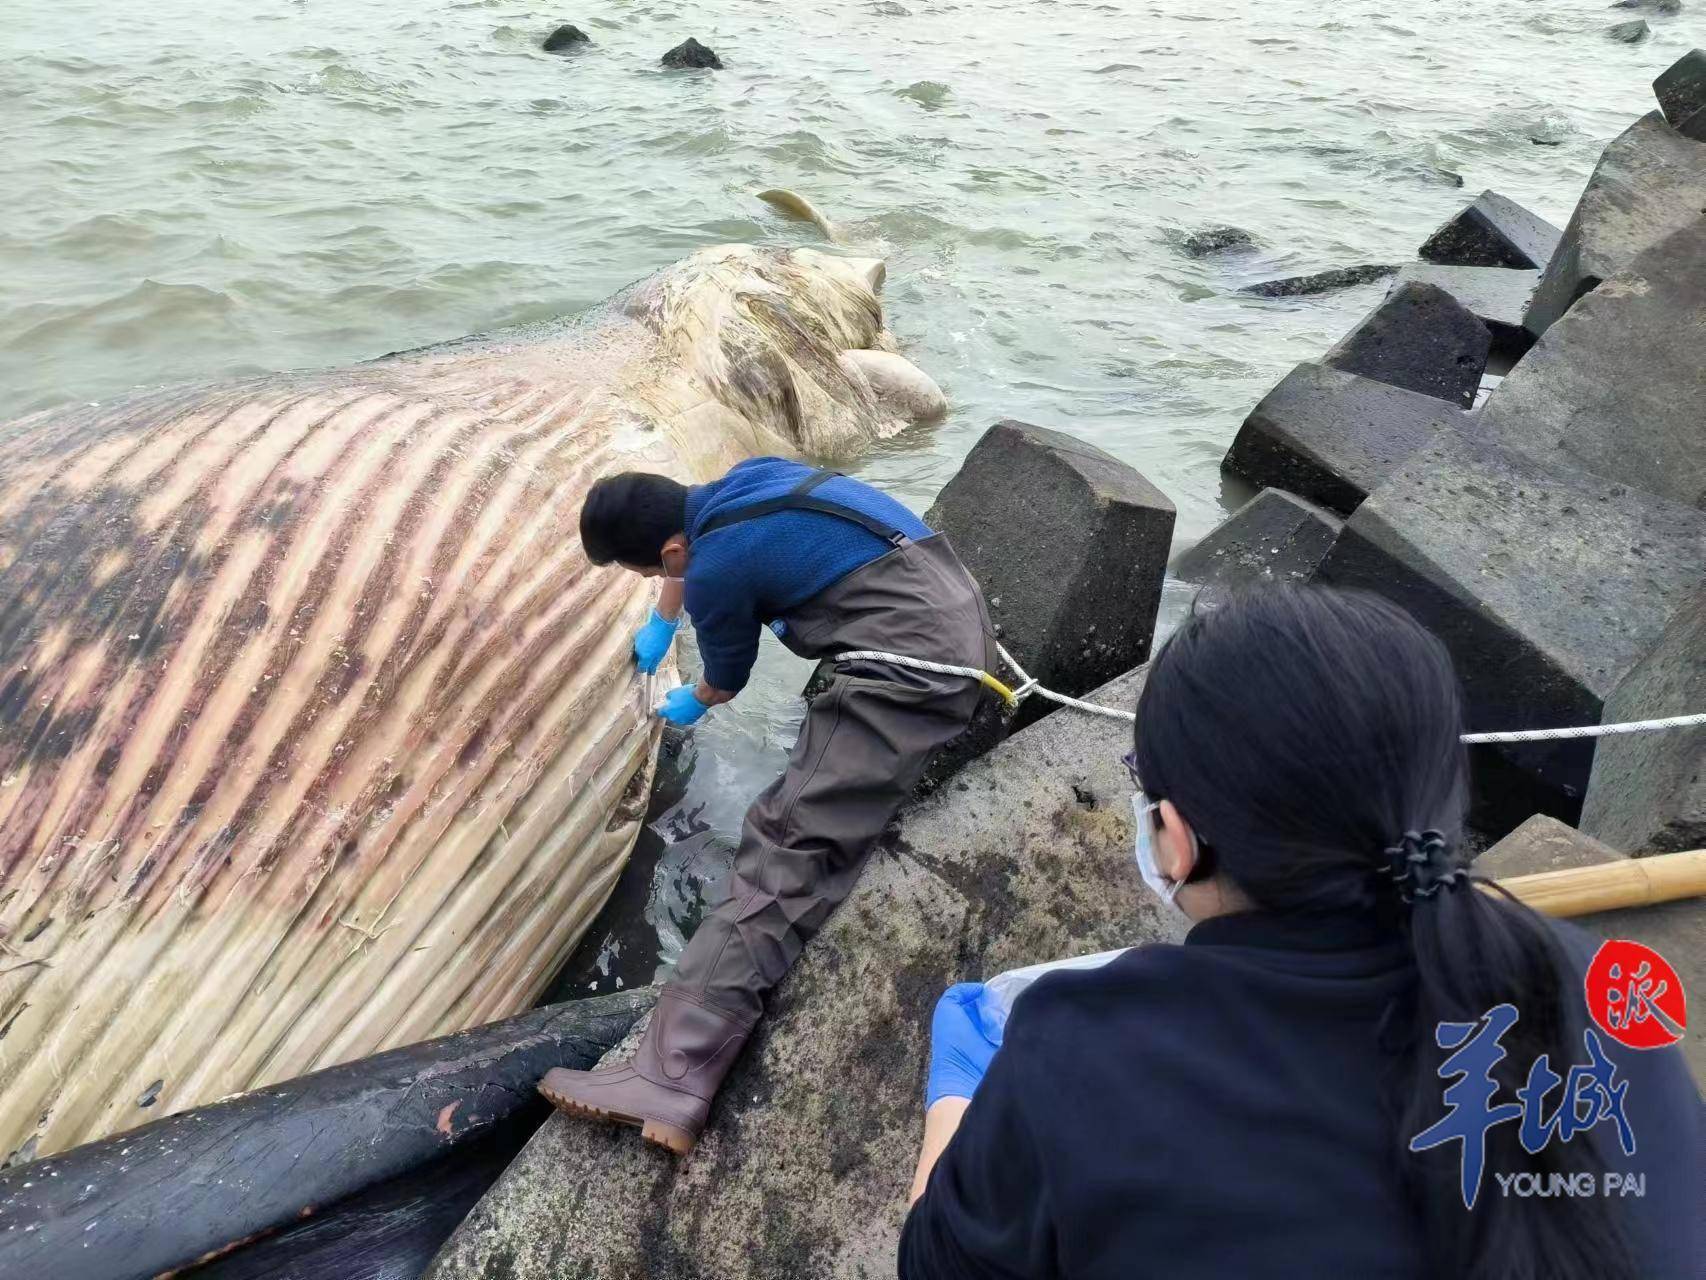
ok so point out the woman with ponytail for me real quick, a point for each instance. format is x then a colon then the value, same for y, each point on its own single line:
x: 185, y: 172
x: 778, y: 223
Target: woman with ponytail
x: 1267, y: 1099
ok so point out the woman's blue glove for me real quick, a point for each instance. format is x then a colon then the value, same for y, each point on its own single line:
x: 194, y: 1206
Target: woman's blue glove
x: 652, y: 641
x: 960, y: 1049
x: 681, y: 707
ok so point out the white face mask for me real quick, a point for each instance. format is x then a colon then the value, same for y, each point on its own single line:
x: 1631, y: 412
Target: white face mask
x: 1148, y: 836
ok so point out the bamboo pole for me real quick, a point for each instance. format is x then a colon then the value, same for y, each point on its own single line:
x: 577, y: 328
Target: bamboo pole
x: 1609, y: 886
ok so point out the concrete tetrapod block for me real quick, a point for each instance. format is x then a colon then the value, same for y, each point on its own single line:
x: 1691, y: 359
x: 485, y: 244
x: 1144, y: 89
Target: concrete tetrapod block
x: 1676, y: 930
x: 1070, y: 546
x: 1330, y: 436
x: 1647, y: 792
x: 1681, y: 91
x: 1495, y: 231
x: 1618, y: 386
x: 1274, y: 537
x: 1547, y: 584
x: 1649, y: 182
x: 804, y: 1168
x: 1419, y: 338
x: 1498, y: 297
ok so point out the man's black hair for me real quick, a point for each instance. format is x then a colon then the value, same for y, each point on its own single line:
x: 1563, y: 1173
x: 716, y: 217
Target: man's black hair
x: 628, y: 518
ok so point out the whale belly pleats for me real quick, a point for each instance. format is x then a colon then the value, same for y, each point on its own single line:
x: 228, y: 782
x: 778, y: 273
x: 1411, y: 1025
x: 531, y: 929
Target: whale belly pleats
x: 317, y: 732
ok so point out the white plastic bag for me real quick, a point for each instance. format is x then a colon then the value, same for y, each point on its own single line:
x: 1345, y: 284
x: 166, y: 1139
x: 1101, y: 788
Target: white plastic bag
x: 1003, y: 989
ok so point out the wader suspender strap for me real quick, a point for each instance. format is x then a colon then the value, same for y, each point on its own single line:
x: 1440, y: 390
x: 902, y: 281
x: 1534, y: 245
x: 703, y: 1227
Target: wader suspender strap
x: 799, y: 498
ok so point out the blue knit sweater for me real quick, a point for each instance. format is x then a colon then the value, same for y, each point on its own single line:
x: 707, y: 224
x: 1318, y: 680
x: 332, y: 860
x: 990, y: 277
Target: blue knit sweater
x: 743, y: 577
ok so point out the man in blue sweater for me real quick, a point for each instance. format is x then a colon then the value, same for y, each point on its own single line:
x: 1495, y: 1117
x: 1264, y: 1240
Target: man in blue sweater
x: 831, y: 566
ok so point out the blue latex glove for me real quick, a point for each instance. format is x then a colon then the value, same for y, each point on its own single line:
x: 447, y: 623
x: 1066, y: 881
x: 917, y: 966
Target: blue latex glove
x: 681, y: 707
x: 960, y: 1049
x: 652, y: 641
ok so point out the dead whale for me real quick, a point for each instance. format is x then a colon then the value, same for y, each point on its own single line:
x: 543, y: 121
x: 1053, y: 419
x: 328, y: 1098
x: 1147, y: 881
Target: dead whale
x: 318, y: 733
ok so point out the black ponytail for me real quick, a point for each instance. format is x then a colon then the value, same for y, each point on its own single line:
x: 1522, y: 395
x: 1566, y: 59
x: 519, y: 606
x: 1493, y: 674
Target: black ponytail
x: 1311, y: 737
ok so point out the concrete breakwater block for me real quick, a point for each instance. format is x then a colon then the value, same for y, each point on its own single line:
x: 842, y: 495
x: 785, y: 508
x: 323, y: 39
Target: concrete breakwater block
x: 1647, y: 792
x: 1618, y: 386
x: 1070, y: 547
x: 804, y: 1168
x: 1547, y: 584
x: 1331, y: 436
x: 1274, y: 537
x: 1676, y: 930
x: 1494, y: 231
x: 1419, y: 338
x: 1498, y: 297
x: 1681, y: 91
x: 1649, y: 182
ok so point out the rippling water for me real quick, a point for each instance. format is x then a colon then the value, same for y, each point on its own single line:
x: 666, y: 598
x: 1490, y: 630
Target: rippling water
x: 195, y: 190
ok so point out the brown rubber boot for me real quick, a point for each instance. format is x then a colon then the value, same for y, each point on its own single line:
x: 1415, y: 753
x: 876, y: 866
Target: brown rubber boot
x: 667, y: 1087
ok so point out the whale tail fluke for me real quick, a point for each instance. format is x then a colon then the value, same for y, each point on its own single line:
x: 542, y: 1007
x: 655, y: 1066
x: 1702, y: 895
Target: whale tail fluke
x: 797, y: 206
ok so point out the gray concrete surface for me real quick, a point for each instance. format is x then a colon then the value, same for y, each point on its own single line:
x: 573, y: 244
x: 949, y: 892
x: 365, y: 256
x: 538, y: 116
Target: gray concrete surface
x: 1420, y: 338
x: 1330, y: 436
x: 1494, y: 231
x: 1618, y: 386
x: 1647, y: 792
x: 1274, y: 537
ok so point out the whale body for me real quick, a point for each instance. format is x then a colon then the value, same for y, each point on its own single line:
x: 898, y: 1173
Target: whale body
x: 318, y: 733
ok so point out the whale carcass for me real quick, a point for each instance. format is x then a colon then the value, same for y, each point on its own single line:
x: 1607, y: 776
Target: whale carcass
x: 318, y: 733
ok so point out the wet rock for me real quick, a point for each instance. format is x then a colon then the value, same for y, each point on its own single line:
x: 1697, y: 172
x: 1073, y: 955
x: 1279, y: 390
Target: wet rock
x: 1681, y: 91
x: 1649, y: 182
x: 691, y: 54
x: 1070, y: 546
x: 1648, y: 790
x: 1331, y: 436
x: 1618, y: 386
x: 1419, y: 338
x: 1665, y: 7
x: 1548, y: 584
x: 1676, y: 930
x: 1274, y: 537
x: 1629, y: 32
x: 804, y: 1168
x: 1321, y: 282
x: 1493, y: 232
x: 1498, y: 297
x: 564, y: 37
x: 1211, y: 240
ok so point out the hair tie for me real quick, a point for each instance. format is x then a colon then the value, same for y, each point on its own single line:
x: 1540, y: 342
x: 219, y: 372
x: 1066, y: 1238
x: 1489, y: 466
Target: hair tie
x: 1421, y: 865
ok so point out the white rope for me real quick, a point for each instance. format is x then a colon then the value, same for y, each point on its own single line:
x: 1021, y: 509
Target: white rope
x: 1591, y: 730
x: 1028, y: 687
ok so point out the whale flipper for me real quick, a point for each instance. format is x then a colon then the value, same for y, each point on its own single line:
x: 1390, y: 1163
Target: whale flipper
x: 797, y: 206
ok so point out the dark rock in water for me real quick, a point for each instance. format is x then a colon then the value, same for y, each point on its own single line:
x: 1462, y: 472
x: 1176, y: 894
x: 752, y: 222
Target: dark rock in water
x: 691, y: 54
x: 1420, y: 338
x: 1321, y: 282
x: 1070, y: 546
x: 1681, y: 92
x: 1493, y: 232
x: 1547, y: 584
x: 803, y: 1169
x: 1332, y: 437
x: 1200, y: 244
x: 1539, y: 141
x: 1498, y: 296
x: 1629, y: 32
x: 1664, y: 7
x: 1647, y: 793
x: 566, y: 36
x: 1618, y: 386
x: 1676, y: 930
x: 1274, y: 537
x: 1649, y: 182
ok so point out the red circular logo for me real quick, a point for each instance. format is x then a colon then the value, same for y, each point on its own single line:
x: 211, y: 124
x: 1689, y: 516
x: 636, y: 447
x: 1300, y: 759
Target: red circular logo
x: 1635, y: 996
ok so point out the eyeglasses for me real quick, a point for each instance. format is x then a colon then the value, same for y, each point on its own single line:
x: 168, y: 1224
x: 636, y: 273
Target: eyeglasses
x: 1129, y: 760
